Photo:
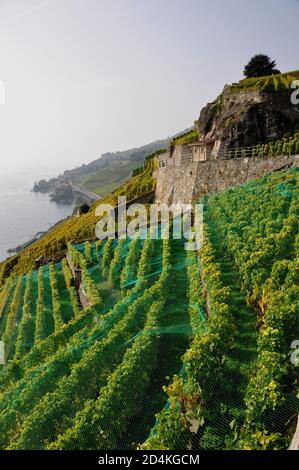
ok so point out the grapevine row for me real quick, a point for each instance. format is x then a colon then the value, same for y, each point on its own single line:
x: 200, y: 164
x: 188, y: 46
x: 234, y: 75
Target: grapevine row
x: 202, y: 362
x: 56, y: 306
x: 259, y: 223
x: 12, y: 317
x: 128, y: 274
x: 94, y: 427
x: 25, y: 331
x: 85, y: 377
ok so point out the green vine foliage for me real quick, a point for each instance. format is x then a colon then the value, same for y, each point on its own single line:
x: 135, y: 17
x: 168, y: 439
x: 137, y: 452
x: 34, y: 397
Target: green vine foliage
x: 68, y: 276
x: 26, y: 326
x: 40, y: 309
x: 117, y: 264
x: 107, y: 258
x: 259, y: 223
x: 212, y: 338
x: 56, y: 305
x: 129, y: 271
x: 12, y: 317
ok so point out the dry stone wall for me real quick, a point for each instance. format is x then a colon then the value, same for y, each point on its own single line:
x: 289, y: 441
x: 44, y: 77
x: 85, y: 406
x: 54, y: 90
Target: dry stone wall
x: 184, y: 183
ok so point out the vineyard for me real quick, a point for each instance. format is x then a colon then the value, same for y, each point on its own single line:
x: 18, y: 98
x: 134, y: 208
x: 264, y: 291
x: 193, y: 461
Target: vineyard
x: 271, y: 84
x: 288, y: 145
x: 175, y: 349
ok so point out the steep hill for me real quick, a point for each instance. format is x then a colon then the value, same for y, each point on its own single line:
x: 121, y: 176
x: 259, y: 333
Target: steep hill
x: 240, y: 115
x: 126, y: 344
x: 111, y: 170
x: 93, y: 378
x: 253, y: 111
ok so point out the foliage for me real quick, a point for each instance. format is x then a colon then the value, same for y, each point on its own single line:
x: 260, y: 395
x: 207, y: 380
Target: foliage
x: 271, y: 84
x: 259, y: 225
x: 12, y: 317
x: 137, y: 171
x: 116, y: 264
x: 260, y: 66
x: 92, y: 292
x: 68, y: 276
x: 128, y: 274
x: 107, y: 258
x: 26, y: 325
x: 186, y: 138
x: 76, y: 306
x: 202, y: 361
x: 87, y: 252
x: 40, y: 309
x: 69, y: 389
x: 288, y: 145
x: 5, y: 294
x: 126, y: 387
x: 57, y: 313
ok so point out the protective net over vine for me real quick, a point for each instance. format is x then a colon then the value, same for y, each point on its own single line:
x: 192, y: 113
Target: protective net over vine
x: 142, y: 344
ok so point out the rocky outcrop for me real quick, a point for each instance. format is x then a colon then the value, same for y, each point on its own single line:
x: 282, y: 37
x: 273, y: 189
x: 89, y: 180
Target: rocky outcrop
x: 43, y: 186
x: 62, y: 192
x: 242, y: 119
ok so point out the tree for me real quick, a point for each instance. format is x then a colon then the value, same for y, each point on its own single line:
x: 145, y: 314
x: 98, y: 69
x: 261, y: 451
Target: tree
x: 84, y: 209
x: 260, y: 66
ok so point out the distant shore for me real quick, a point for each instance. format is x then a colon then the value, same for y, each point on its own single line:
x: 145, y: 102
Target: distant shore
x: 37, y: 236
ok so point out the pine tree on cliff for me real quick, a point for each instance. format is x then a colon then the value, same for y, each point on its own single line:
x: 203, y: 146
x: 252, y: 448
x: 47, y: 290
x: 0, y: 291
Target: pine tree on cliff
x: 260, y: 66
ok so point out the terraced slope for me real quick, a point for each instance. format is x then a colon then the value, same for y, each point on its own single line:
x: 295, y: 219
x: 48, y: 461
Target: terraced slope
x: 77, y: 355
x: 175, y: 350
x: 239, y: 389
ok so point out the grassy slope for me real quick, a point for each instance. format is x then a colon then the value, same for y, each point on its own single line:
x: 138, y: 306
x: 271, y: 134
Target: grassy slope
x: 104, y: 181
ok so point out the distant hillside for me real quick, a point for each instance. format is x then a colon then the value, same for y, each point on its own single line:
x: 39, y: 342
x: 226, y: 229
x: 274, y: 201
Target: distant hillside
x: 106, y: 173
x: 110, y: 170
x: 77, y: 228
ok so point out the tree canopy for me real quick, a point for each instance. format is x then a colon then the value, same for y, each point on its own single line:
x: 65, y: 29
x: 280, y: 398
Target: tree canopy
x: 260, y: 65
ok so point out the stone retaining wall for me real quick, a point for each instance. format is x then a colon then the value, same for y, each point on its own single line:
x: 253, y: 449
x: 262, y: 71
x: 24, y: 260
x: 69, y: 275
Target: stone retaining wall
x: 196, y: 179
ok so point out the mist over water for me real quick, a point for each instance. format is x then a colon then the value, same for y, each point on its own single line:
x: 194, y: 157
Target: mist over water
x: 24, y: 213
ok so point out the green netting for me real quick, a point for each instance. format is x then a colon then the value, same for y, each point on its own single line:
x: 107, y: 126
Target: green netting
x: 99, y: 380
x: 172, y: 332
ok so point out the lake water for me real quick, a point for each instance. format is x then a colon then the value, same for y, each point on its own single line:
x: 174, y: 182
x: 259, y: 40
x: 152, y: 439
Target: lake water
x: 24, y: 213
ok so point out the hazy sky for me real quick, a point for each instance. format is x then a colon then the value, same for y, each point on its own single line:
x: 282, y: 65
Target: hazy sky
x: 83, y: 77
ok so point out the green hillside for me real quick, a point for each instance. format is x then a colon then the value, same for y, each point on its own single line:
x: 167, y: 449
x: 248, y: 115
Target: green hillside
x: 273, y: 83
x: 112, y: 169
x: 176, y: 348
x: 104, y: 175
x: 104, y: 181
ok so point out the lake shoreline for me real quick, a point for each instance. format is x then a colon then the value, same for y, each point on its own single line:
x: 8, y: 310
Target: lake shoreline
x: 25, y: 215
